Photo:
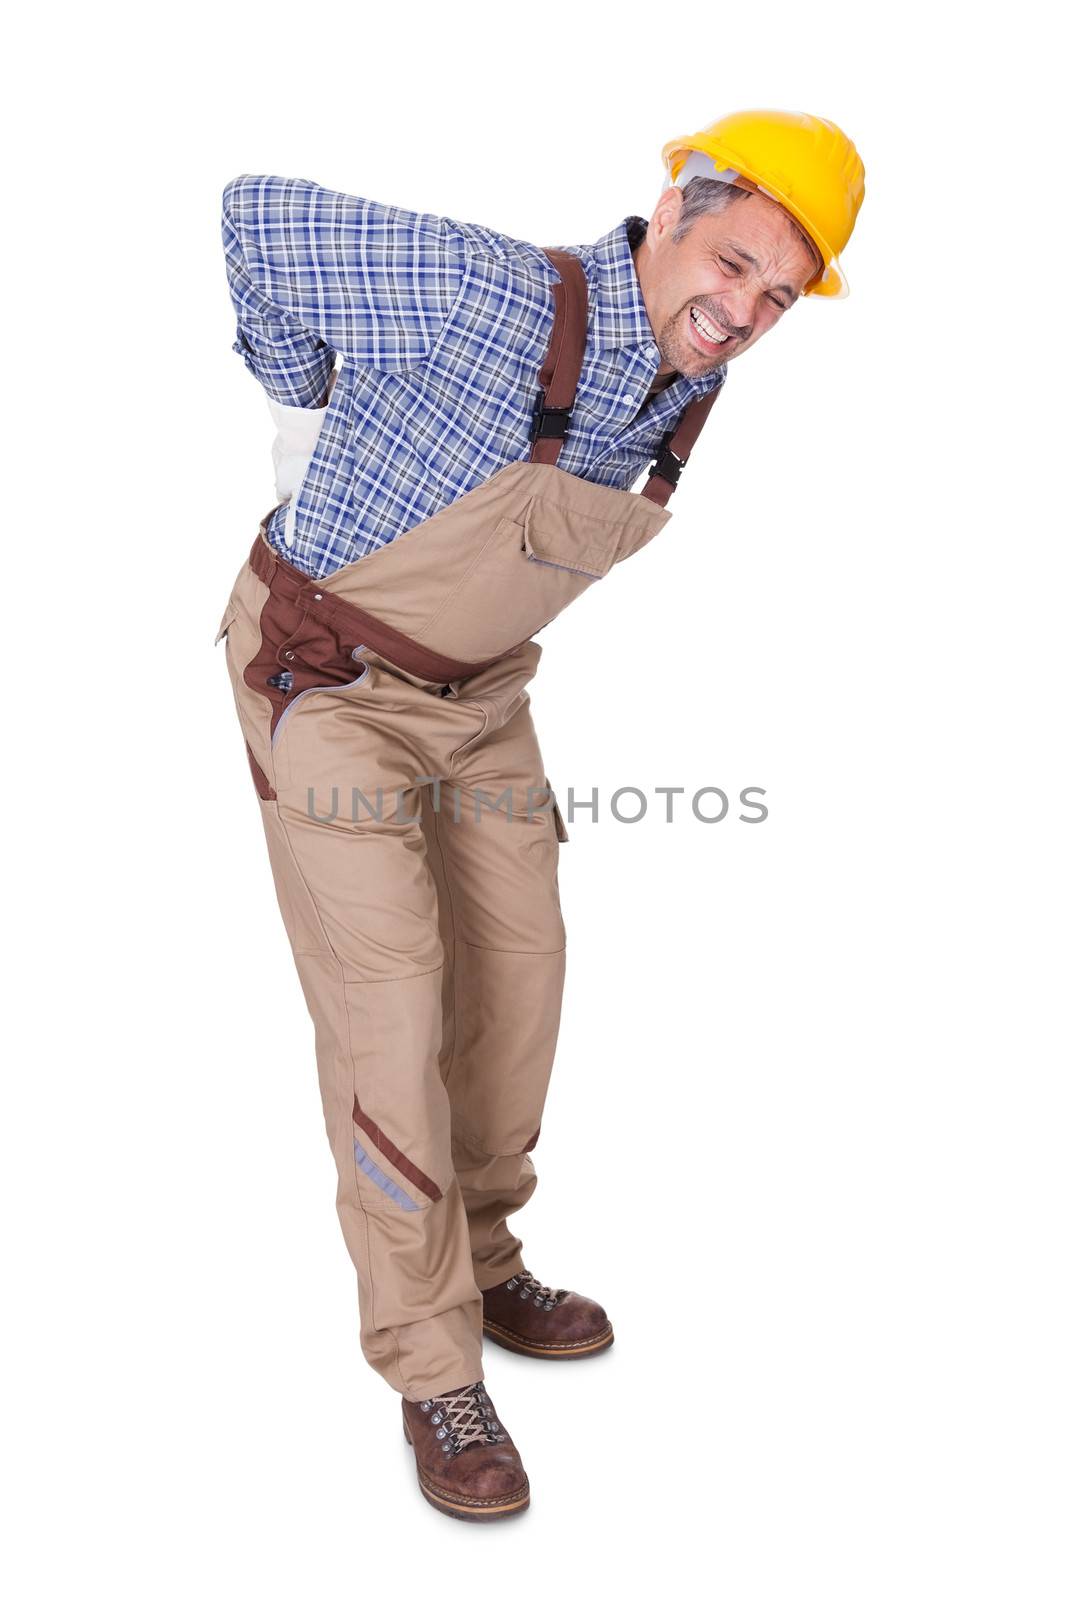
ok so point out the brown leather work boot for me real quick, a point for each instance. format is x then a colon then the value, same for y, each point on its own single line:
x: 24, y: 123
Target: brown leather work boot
x: 467, y: 1465
x: 555, y: 1324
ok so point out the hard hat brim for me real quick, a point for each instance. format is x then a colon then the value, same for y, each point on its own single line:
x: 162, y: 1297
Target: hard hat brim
x: 832, y: 285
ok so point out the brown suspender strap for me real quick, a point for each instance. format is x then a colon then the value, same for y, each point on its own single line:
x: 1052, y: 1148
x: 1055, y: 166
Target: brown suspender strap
x: 676, y: 449
x: 563, y: 361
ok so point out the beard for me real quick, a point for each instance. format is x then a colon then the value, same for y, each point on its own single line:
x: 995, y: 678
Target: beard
x: 676, y: 347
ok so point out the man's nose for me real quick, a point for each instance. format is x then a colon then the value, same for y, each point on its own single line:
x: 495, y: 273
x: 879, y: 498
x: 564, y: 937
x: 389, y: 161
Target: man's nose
x: 739, y: 305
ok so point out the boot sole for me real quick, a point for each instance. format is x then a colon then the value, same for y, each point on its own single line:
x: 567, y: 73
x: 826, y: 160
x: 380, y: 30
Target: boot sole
x: 548, y: 1352
x: 463, y: 1510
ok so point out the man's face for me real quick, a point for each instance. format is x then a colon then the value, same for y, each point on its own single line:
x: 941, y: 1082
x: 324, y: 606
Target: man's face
x: 728, y: 280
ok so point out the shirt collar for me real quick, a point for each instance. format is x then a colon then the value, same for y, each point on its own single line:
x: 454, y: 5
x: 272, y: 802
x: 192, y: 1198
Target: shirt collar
x: 619, y: 316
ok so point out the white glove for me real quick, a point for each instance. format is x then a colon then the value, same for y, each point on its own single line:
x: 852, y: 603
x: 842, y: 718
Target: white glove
x: 294, y: 445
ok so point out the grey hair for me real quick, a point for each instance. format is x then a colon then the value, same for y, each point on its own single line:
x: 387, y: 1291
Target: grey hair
x: 709, y: 197
x: 705, y: 197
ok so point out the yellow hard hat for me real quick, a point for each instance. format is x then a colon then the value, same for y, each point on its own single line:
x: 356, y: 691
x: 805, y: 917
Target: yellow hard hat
x: 804, y: 163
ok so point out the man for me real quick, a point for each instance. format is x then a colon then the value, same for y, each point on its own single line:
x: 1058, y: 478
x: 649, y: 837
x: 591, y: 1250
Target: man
x: 462, y: 477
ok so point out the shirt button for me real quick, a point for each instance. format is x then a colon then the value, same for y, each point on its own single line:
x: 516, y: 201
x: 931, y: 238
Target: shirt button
x: 628, y: 400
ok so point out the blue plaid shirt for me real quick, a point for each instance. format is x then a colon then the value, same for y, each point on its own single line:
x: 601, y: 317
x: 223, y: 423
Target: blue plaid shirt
x: 442, y: 327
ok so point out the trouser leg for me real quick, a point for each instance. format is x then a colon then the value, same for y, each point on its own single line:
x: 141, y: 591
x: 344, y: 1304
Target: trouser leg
x: 504, y: 940
x: 377, y: 1038
x: 359, y: 905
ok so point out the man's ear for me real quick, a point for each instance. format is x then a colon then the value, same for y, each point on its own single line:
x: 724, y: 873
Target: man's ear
x: 665, y: 216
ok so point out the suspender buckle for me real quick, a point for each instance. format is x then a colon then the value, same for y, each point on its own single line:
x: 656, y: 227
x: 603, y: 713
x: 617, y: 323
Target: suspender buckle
x: 667, y: 464
x: 549, y: 422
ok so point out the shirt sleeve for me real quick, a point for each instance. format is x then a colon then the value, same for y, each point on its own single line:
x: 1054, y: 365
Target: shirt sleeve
x: 314, y: 273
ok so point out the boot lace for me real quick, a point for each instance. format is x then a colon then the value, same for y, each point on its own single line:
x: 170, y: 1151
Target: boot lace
x: 529, y: 1288
x: 463, y: 1419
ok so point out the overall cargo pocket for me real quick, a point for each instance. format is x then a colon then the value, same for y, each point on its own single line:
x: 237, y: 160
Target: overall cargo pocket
x: 229, y: 616
x: 557, y: 815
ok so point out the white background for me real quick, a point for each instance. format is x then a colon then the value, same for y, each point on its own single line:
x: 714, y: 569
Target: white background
x: 806, y: 1132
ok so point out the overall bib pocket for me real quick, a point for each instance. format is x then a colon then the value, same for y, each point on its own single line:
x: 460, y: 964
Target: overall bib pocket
x: 533, y: 566
x: 558, y: 536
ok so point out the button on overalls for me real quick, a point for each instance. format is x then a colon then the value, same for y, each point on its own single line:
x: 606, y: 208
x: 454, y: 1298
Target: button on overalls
x: 414, y: 839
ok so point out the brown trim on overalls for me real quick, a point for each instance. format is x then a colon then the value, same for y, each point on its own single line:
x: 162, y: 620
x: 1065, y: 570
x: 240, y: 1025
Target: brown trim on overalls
x: 259, y: 777
x: 383, y: 1143
x: 354, y: 623
x: 311, y: 635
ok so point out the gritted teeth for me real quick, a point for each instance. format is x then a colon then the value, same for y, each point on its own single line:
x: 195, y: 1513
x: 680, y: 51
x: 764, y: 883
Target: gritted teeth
x: 707, y: 328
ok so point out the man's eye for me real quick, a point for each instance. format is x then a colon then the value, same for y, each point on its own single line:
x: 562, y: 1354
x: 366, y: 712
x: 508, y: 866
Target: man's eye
x: 731, y: 266
x: 779, y: 303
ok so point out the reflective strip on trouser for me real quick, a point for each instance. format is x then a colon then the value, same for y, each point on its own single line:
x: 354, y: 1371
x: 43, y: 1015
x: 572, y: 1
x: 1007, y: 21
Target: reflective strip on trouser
x: 425, y: 923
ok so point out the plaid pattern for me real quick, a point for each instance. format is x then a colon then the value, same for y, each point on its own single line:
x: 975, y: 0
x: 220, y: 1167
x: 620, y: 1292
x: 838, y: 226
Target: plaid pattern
x: 442, y: 327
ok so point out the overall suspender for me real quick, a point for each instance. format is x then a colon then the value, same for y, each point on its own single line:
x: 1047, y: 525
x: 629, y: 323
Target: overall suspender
x: 559, y: 383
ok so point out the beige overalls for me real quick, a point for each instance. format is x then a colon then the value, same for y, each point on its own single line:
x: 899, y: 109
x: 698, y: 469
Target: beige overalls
x: 414, y: 841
